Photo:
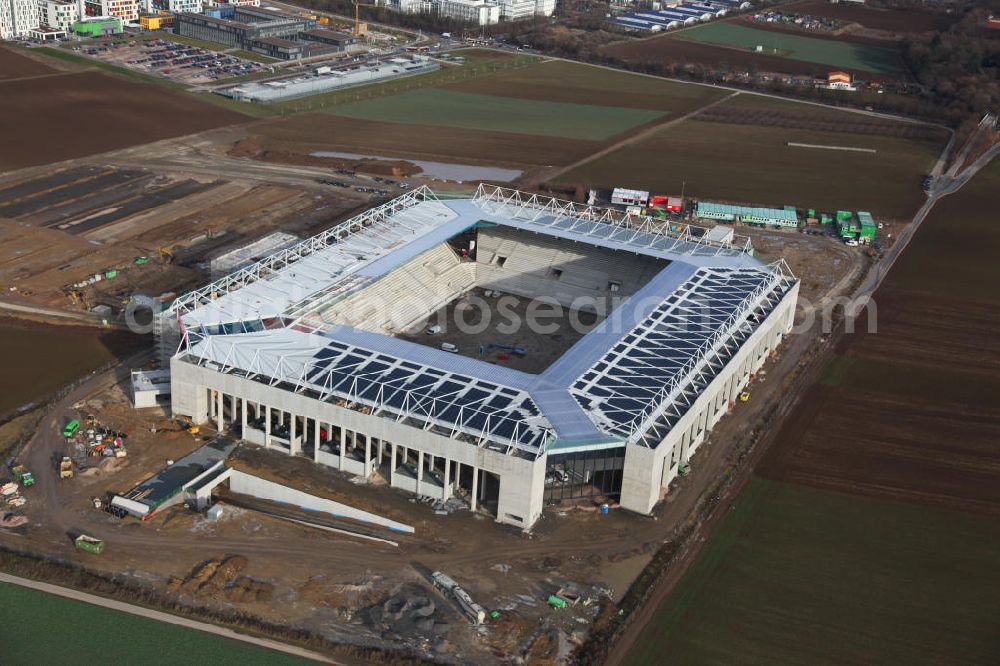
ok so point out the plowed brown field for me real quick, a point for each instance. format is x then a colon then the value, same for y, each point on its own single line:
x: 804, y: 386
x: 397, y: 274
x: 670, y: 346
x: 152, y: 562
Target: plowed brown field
x: 14, y: 65
x: 890, y: 20
x: 52, y: 119
x: 911, y: 412
x: 316, y: 132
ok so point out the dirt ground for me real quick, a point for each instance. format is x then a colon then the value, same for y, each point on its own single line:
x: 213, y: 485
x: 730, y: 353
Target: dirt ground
x: 890, y: 20
x: 14, y: 65
x: 908, y: 411
x: 306, y: 133
x: 50, y: 119
x: 818, y: 263
x: 668, y: 51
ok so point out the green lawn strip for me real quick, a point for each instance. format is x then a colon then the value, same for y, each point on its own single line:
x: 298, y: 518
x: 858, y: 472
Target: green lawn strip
x: 448, y: 108
x: 31, y: 619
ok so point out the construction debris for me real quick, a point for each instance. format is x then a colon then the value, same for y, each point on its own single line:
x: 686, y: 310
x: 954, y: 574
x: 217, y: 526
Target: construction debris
x: 219, y: 578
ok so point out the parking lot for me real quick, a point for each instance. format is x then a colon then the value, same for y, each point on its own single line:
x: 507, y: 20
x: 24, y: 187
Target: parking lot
x: 178, y: 62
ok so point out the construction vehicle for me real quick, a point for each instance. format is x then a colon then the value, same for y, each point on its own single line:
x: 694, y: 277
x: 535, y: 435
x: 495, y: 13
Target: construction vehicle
x: 684, y: 469
x: 166, y: 255
x: 23, y: 475
x: 71, y: 428
x: 66, y: 468
x: 744, y: 396
x: 89, y: 544
x: 190, y: 427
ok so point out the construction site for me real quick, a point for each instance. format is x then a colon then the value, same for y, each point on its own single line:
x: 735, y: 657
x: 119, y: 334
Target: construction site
x: 129, y: 471
x: 338, y: 429
x: 156, y: 231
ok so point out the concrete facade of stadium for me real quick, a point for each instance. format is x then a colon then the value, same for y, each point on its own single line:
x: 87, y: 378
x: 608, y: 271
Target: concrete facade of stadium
x: 276, y: 411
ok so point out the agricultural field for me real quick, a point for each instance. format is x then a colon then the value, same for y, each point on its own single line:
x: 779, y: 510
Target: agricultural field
x: 14, y: 65
x: 87, y: 112
x: 739, y: 152
x: 666, y: 50
x: 905, y: 21
x: 830, y: 53
x: 870, y: 532
x: 543, y: 115
x: 448, y: 108
x: 561, y: 81
x: 300, y: 135
x: 798, y: 575
x: 32, y: 619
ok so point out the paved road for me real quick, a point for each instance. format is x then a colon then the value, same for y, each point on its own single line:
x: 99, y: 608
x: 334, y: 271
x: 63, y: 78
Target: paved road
x: 165, y: 617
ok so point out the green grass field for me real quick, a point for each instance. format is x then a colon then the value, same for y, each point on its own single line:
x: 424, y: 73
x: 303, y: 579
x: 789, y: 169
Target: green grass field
x: 38, y: 628
x: 448, y: 108
x: 796, y: 575
x: 861, y: 57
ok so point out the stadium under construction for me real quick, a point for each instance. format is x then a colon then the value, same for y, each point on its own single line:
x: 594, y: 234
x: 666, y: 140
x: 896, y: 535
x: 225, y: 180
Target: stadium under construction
x: 306, y: 352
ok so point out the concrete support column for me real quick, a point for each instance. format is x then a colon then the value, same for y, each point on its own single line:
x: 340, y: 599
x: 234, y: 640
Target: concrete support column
x: 420, y: 469
x: 219, y: 411
x: 232, y: 408
x: 474, y: 495
x: 343, y: 448
x: 446, y: 493
x: 257, y: 406
x: 392, y: 466
x: 294, y: 447
x: 267, y: 427
x: 243, y: 418
x: 316, y: 427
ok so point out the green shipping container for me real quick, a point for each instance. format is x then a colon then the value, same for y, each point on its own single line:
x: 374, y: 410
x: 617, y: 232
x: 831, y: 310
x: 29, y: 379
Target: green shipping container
x: 556, y: 602
x: 89, y: 544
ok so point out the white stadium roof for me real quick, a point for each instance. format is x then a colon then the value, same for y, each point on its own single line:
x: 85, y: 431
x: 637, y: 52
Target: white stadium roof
x: 627, y: 380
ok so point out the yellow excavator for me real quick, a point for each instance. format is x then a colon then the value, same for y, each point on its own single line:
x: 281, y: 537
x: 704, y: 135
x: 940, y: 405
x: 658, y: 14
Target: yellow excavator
x: 166, y: 255
x: 187, y: 425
